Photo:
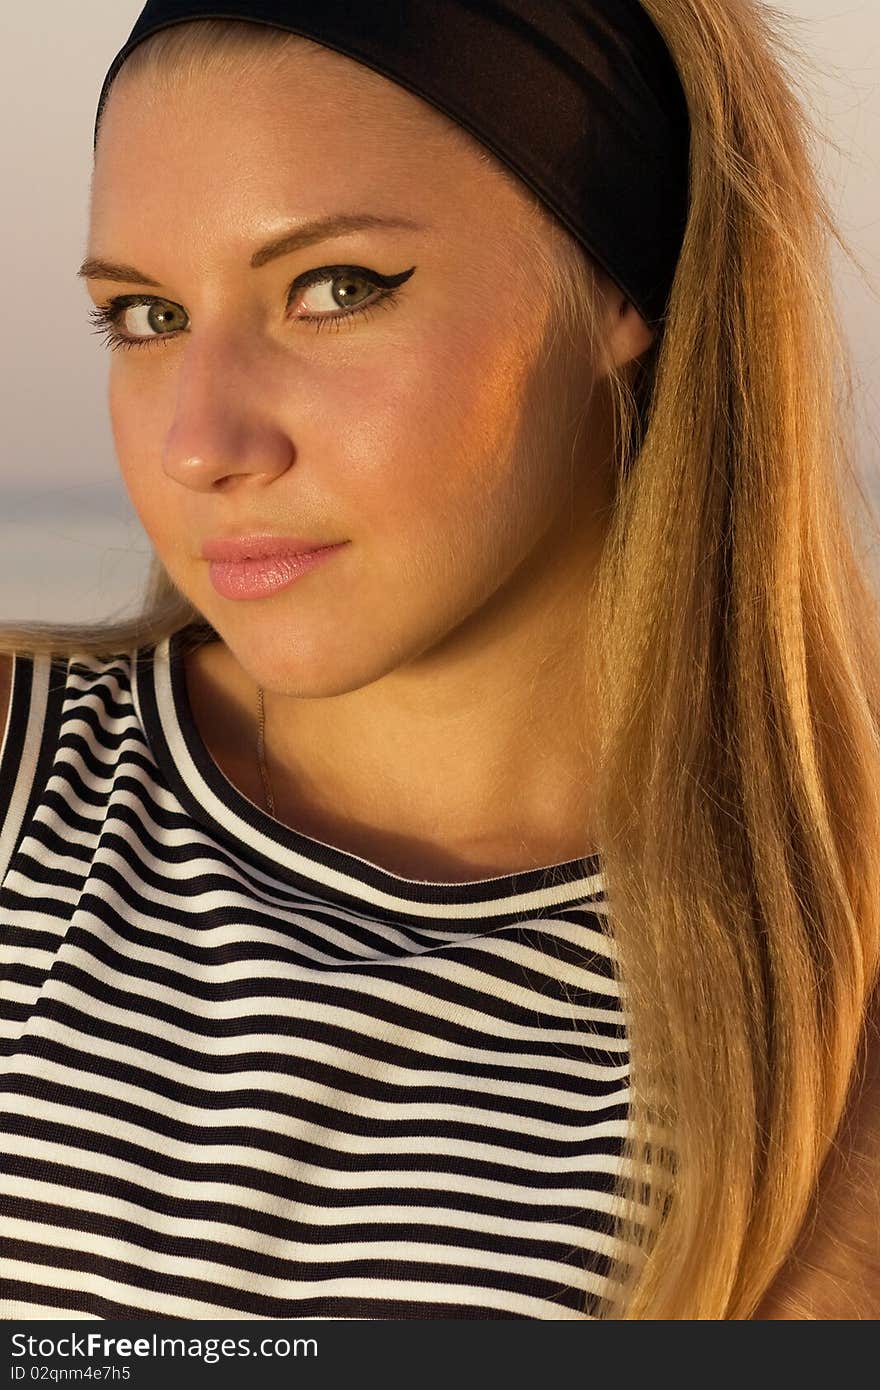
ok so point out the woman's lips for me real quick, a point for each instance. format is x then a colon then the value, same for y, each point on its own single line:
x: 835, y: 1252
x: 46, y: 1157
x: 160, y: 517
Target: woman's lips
x: 259, y: 545
x: 247, y: 579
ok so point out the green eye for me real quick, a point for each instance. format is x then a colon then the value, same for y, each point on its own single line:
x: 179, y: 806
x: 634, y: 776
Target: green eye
x: 164, y: 316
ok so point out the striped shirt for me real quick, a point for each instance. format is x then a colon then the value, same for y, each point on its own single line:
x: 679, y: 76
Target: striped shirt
x: 247, y: 1074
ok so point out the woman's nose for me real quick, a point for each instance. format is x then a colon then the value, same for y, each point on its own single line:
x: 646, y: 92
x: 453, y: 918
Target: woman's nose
x: 223, y: 424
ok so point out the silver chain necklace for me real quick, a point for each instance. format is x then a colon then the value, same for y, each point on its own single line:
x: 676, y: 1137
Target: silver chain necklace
x: 261, y: 752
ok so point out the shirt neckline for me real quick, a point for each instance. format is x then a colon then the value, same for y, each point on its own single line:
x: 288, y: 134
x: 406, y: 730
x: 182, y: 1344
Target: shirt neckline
x: 291, y: 856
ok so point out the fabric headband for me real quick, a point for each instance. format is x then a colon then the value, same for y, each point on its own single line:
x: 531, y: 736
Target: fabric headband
x: 579, y: 98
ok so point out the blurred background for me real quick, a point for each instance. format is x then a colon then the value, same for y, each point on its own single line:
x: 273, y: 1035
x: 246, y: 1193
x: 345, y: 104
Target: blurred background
x: 71, y: 546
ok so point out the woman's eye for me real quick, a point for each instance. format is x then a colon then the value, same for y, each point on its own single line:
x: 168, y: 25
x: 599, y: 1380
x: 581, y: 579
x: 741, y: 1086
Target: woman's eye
x: 335, y: 292
x: 146, y: 319
x: 329, y: 294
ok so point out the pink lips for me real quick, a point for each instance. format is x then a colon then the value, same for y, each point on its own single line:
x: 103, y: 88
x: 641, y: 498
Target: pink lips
x: 258, y: 547
x: 255, y: 567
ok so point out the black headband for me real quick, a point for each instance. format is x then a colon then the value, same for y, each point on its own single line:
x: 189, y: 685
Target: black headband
x: 579, y: 98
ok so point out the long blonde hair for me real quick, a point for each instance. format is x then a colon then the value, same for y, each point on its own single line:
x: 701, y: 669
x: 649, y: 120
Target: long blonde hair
x: 738, y: 791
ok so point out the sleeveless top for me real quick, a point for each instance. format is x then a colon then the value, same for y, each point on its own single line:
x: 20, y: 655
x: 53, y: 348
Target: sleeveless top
x: 246, y: 1074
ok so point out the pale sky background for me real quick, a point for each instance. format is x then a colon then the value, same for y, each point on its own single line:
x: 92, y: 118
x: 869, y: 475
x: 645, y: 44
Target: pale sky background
x: 71, y: 546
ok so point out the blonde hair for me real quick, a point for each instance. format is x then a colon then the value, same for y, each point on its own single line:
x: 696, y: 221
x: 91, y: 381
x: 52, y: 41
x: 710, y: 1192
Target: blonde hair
x: 738, y: 790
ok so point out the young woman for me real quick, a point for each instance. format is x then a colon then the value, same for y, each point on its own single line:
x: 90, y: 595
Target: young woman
x: 481, y: 917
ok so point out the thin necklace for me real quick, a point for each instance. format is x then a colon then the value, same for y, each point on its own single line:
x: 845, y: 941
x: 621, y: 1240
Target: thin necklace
x: 261, y: 752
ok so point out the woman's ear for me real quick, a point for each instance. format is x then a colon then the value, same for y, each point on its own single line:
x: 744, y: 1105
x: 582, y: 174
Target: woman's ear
x: 627, y: 335
x: 630, y: 335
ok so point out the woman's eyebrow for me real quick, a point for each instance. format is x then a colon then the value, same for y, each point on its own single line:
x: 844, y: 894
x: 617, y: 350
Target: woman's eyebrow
x: 306, y: 234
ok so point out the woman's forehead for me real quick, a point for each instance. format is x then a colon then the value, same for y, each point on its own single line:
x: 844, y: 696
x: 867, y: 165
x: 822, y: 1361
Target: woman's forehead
x: 313, y: 90
x: 231, y: 167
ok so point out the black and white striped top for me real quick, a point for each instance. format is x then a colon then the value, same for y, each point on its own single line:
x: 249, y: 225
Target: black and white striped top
x: 246, y: 1074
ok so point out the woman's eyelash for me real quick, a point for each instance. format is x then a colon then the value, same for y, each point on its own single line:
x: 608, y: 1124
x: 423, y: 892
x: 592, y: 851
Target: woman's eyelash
x: 107, y: 316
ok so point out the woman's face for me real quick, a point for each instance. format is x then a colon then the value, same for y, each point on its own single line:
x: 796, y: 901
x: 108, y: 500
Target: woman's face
x: 432, y: 432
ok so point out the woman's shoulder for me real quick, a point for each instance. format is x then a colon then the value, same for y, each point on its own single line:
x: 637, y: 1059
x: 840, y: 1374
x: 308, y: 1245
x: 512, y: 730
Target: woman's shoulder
x: 39, y: 674
x: 45, y: 697
x: 6, y: 663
